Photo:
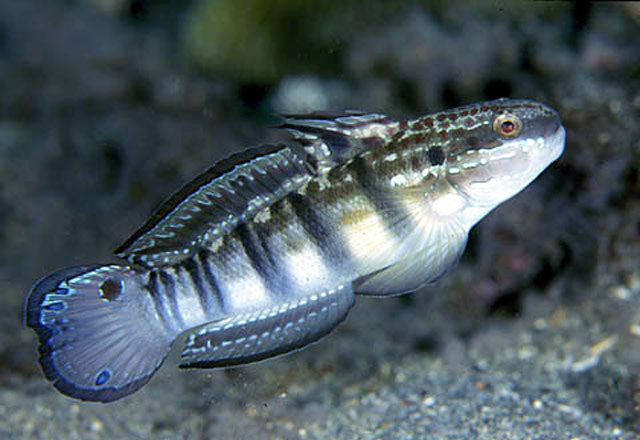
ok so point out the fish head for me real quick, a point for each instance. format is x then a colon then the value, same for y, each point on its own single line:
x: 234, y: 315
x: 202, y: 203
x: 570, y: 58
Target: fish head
x: 500, y: 148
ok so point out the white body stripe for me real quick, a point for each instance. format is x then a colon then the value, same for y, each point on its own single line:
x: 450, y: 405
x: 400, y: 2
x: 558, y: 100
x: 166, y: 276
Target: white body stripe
x: 189, y: 306
x: 307, y: 269
x: 243, y: 289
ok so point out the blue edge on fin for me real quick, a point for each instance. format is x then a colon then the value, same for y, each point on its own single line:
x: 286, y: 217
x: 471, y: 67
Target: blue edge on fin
x: 32, y: 311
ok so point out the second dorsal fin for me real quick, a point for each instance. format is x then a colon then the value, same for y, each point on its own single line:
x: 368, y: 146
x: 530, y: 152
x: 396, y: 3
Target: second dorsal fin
x: 214, y: 203
x: 334, y: 138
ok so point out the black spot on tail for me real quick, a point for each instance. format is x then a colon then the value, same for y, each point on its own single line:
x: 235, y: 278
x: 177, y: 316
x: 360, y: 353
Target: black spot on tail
x: 110, y: 289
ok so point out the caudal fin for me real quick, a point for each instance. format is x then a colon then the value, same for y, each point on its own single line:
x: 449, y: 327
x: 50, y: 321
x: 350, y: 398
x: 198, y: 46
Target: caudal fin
x: 100, y: 336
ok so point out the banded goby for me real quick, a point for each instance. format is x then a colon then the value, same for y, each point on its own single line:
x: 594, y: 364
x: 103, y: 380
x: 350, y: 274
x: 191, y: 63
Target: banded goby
x: 264, y: 253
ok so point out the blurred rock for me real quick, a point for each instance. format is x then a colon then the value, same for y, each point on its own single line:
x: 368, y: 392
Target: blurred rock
x: 306, y: 94
x: 265, y: 40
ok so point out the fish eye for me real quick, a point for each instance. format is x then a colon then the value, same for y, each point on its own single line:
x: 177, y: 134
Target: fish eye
x: 507, y: 125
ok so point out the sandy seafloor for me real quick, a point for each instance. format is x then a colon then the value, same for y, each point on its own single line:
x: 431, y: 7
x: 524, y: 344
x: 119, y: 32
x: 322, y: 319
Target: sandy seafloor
x: 535, y: 335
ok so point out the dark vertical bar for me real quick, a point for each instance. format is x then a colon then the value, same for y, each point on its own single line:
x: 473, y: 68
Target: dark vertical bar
x: 193, y: 270
x: 381, y: 198
x: 319, y: 229
x: 169, y: 285
x: 211, y: 281
x: 255, y: 253
x: 153, y: 287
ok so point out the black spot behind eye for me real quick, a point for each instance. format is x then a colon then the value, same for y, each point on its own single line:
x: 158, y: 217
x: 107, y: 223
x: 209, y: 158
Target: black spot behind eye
x: 436, y: 155
x: 473, y: 142
x: 110, y: 289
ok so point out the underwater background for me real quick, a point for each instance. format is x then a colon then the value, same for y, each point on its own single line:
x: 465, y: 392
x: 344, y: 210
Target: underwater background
x: 109, y: 106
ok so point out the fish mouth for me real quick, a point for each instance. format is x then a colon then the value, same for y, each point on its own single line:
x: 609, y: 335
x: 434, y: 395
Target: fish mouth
x: 556, y: 143
x: 540, y: 159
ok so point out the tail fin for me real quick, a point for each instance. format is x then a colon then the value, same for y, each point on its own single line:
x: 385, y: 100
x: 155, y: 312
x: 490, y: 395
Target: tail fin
x: 100, y: 336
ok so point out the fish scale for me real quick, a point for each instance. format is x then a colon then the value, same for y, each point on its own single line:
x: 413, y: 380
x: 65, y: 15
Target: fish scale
x: 266, y: 251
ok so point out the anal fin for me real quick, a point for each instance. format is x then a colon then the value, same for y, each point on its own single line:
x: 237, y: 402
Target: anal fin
x: 265, y: 333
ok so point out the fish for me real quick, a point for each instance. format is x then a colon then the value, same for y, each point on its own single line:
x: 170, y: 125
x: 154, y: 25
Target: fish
x: 265, y: 252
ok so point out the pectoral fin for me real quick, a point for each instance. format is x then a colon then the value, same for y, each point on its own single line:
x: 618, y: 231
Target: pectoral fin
x: 445, y: 245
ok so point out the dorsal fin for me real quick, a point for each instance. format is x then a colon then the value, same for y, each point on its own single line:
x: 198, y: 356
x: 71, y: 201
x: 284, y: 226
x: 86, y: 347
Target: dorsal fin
x: 214, y: 203
x: 334, y: 138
